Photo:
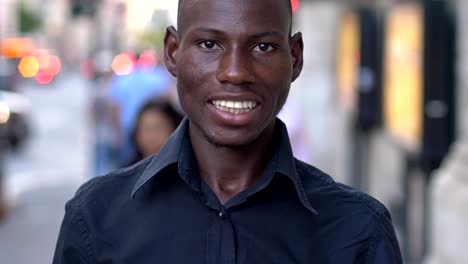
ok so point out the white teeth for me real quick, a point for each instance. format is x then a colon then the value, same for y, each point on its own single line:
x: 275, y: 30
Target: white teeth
x: 235, y: 107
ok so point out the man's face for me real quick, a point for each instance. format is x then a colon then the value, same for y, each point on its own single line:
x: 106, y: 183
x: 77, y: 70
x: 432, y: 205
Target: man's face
x: 234, y: 61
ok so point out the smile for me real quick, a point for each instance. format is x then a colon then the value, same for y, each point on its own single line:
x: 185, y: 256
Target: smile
x: 235, y: 107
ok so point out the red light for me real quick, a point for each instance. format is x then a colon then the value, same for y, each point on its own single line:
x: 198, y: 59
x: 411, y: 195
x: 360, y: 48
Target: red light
x: 44, y: 77
x: 295, y: 5
x: 147, y: 59
x: 54, y: 65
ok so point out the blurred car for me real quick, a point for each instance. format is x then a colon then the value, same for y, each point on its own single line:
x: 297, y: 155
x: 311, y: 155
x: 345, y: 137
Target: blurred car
x: 14, y: 107
x: 3, y: 139
x: 14, y: 112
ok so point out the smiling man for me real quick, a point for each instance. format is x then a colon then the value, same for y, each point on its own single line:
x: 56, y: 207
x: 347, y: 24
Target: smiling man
x: 226, y: 187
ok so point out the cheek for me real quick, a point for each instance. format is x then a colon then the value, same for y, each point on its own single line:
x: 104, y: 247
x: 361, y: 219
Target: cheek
x: 277, y: 82
x: 195, y: 78
x: 190, y: 75
x: 194, y: 67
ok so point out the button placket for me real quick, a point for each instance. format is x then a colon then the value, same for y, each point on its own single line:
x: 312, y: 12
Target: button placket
x: 227, y: 239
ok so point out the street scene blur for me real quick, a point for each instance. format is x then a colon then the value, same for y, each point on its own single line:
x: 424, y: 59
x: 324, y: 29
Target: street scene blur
x: 379, y: 106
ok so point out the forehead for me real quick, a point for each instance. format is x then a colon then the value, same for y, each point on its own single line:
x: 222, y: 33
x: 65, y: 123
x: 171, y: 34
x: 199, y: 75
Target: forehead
x: 242, y: 15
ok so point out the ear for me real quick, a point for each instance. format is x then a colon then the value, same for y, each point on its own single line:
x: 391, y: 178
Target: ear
x: 170, y: 50
x: 297, y: 52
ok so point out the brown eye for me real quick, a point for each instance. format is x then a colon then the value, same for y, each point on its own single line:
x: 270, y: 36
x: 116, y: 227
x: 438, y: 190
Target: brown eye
x: 263, y: 47
x: 209, y: 45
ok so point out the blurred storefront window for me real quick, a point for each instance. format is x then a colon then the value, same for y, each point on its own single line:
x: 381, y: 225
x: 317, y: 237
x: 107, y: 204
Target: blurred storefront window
x: 403, y: 93
x: 348, y: 60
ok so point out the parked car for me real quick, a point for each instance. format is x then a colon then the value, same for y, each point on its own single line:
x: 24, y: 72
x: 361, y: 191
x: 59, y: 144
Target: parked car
x: 14, y: 114
x: 14, y: 107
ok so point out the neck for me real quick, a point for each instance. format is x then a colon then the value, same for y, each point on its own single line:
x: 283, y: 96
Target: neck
x: 231, y: 170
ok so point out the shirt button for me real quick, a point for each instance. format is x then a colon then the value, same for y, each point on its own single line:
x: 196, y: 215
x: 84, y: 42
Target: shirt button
x: 222, y: 215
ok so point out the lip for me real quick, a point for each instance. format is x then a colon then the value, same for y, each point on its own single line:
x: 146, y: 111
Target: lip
x: 230, y: 119
x: 234, y: 97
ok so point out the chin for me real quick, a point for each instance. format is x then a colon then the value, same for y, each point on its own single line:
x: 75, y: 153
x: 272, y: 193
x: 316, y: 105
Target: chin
x: 231, y: 137
x: 232, y: 140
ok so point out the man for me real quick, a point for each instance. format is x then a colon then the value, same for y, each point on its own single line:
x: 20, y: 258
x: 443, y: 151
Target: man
x: 226, y: 188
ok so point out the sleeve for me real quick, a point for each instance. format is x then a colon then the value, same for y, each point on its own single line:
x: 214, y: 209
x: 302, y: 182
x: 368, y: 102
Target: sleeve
x: 384, y: 248
x: 73, y: 242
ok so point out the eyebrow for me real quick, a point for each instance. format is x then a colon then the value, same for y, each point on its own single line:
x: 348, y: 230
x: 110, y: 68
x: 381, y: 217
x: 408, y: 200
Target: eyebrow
x: 255, y: 35
x: 208, y: 30
x: 267, y: 34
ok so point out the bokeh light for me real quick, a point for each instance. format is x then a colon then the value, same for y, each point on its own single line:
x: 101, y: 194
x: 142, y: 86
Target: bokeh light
x: 295, y: 5
x: 41, y: 65
x: 43, y: 57
x: 4, y: 113
x: 123, y: 64
x: 15, y: 48
x: 54, y: 65
x: 43, y: 76
x: 147, y: 59
x: 28, y: 66
x: 49, y: 66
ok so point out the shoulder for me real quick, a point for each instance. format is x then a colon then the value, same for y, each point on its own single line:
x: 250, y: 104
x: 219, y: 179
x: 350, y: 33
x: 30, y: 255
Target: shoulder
x: 336, y: 200
x: 353, y: 220
x: 111, y: 188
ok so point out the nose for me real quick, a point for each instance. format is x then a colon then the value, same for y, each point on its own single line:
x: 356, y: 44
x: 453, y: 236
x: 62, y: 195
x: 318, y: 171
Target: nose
x: 234, y: 68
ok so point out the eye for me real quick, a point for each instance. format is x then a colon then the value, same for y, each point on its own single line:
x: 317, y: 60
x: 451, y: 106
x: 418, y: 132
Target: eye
x: 263, y: 47
x: 209, y: 44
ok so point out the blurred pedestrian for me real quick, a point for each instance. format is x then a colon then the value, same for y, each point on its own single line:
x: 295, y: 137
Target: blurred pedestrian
x: 156, y: 121
x: 106, y: 138
x: 128, y: 93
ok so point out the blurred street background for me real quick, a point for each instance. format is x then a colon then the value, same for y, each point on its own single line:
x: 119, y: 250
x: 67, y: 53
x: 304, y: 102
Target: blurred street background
x: 380, y: 105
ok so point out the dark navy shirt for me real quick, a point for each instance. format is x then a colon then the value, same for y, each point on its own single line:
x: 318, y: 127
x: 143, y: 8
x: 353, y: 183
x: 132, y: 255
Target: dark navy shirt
x: 160, y: 211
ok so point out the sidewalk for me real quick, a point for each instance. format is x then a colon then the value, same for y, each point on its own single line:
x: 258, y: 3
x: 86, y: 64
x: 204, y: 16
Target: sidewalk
x: 29, y: 233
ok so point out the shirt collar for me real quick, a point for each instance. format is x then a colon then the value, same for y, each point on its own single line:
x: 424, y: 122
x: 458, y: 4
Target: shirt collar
x: 171, y: 153
x: 286, y: 164
x: 168, y: 155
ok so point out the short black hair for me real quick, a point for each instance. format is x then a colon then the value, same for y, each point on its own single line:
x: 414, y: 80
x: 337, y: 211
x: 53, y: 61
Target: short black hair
x: 179, y: 12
